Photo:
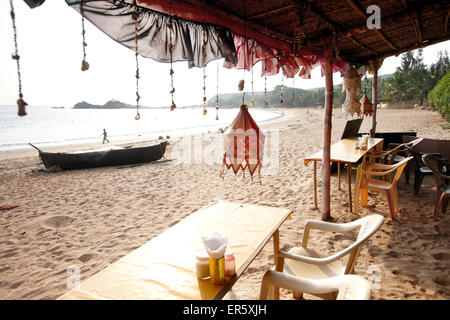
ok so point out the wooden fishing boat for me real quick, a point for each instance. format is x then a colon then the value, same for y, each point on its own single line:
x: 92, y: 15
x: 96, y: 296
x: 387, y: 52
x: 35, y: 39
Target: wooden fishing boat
x: 113, y: 156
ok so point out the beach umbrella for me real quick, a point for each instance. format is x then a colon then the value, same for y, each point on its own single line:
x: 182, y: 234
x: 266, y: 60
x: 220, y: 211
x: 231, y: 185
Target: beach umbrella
x: 244, y: 144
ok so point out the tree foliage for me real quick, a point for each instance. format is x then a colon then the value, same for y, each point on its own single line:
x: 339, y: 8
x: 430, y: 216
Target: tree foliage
x: 413, y: 80
x: 439, y: 97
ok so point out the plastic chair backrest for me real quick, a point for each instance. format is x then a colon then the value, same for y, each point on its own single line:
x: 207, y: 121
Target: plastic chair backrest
x: 413, y: 143
x: 417, y: 157
x: 436, y: 166
x: 367, y: 227
x: 401, y: 166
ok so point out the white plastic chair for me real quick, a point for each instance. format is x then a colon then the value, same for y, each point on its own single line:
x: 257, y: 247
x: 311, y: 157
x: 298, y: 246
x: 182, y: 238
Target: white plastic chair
x: 308, y: 263
x: 349, y: 287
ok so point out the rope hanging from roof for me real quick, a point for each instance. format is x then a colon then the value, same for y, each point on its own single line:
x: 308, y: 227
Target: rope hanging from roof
x: 282, y: 89
x: 204, y: 58
x: 217, y: 93
x: 135, y: 17
x: 170, y: 48
x: 84, y: 63
x: 295, y: 50
x: 266, y: 103
x: 242, y: 82
x: 20, y: 102
x: 252, y: 99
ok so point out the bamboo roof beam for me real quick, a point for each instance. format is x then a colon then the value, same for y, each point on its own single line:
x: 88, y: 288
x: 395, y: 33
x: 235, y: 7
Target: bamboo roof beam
x: 362, y: 46
x: 415, y: 19
x: 446, y: 21
x: 365, y: 17
x: 424, y: 44
x: 361, y: 28
x: 334, y: 26
x: 241, y: 20
x: 271, y: 12
x: 418, y: 27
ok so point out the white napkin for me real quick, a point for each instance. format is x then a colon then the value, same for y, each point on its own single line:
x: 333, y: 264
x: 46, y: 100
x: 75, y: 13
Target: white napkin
x: 215, y: 245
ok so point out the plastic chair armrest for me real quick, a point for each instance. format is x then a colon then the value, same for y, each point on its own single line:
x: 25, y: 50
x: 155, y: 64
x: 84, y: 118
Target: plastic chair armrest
x: 320, y: 261
x: 325, y: 226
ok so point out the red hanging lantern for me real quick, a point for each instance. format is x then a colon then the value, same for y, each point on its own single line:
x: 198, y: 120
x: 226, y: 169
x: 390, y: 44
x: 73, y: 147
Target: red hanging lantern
x: 244, y: 144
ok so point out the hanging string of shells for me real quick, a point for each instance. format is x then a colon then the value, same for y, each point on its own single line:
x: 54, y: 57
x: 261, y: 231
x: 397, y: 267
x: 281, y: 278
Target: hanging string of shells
x: 135, y: 17
x: 21, y: 104
x: 204, y: 70
x: 266, y: 103
x: 84, y: 63
x: 252, y: 98
x: 282, y: 89
x: 204, y: 59
x: 293, y: 78
x: 170, y: 48
x: 217, y: 93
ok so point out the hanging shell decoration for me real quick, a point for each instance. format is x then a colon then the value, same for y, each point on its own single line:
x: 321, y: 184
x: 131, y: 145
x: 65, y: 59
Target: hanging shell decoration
x: 21, y: 104
x: 241, y: 85
x: 352, y: 83
x: 366, y: 105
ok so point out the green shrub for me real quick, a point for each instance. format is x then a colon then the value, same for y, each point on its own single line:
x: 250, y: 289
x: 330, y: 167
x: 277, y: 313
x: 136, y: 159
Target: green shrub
x: 439, y: 97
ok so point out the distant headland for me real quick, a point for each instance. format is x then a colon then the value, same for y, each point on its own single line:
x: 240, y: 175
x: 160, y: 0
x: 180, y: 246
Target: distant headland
x: 116, y: 104
x: 111, y: 104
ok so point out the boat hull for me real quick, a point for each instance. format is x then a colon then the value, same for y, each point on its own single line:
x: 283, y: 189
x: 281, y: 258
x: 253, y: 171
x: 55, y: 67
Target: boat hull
x: 95, y: 159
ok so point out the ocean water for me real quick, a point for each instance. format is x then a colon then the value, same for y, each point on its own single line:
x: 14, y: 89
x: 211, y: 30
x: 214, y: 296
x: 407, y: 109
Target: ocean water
x: 44, y: 125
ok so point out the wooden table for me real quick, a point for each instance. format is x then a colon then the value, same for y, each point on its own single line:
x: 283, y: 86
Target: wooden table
x: 164, y: 267
x: 344, y: 151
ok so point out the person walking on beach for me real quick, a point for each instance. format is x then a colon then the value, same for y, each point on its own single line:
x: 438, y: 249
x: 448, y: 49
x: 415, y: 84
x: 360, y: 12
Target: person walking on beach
x: 105, y: 135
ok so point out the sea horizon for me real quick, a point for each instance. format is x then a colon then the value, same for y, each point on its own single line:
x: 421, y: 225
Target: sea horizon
x: 46, y: 126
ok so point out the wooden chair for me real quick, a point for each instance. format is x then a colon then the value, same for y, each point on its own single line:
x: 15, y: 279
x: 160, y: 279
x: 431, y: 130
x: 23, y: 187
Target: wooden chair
x: 438, y: 167
x: 349, y: 287
x: 388, y: 188
x: 308, y: 263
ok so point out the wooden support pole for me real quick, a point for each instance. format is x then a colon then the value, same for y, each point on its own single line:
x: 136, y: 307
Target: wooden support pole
x: 326, y: 169
x: 374, y: 98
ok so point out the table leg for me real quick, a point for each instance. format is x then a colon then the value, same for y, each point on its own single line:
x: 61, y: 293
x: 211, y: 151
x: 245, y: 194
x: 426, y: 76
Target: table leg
x: 315, y: 184
x: 357, y: 188
x: 339, y: 175
x: 349, y: 176
x: 279, y: 263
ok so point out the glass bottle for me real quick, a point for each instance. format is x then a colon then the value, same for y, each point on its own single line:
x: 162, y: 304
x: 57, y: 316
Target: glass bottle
x: 230, y: 264
x: 217, y: 270
x: 202, y: 264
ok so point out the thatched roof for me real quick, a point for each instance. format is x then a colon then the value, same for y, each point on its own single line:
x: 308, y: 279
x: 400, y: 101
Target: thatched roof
x: 405, y: 24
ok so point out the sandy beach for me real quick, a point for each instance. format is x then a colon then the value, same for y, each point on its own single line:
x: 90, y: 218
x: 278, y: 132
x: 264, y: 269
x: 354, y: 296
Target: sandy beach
x: 91, y: 218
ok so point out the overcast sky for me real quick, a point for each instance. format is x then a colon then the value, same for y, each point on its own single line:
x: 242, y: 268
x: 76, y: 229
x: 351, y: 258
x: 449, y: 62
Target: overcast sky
x: 49, y: 39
